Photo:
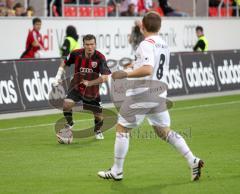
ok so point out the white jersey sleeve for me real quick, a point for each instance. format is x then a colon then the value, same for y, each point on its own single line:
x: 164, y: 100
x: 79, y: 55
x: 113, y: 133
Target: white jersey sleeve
x: 146, y: 54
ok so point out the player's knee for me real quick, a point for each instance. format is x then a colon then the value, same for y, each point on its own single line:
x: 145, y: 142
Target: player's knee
x: 67, y: 104
x: 122, y: 129
x: 98, y: 117
x: 162, y: 132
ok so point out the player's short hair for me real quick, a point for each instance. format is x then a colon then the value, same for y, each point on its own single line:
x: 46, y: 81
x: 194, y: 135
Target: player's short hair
x: 36, y: 20
x: 152, y: 21
x: 199, y: 28
x: 89, y: 37
x: 17, y: 5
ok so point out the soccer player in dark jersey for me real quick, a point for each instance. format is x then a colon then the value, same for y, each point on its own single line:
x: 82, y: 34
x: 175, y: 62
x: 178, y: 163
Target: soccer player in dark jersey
x: 90, y: 71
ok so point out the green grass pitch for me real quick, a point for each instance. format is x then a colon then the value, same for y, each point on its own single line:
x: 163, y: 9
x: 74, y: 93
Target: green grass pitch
x: 32, y: 162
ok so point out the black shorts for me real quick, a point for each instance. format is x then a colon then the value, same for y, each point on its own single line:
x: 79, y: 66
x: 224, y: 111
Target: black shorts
x: 92, y: 105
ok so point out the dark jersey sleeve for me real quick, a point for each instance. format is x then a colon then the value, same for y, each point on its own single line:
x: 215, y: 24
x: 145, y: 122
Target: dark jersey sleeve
x: 104, y: 69
x: 200, y: 44
x: 65, y: 49
x: 71, y: 59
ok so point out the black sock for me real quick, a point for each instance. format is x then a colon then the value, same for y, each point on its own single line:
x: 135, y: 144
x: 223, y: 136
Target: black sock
x: 98, y: 125
x: 68, y: 117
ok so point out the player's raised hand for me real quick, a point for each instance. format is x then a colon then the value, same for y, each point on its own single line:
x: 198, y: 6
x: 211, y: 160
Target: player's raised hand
x: 56, y: 82
x: 119, y: 74
x: 58, y: 77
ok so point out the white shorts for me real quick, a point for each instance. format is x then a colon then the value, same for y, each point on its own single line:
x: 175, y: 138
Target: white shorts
x: 161, y: 119
x: 133, y: 111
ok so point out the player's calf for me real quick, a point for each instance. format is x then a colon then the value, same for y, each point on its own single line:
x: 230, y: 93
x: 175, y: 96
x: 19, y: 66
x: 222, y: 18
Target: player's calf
x: 97, y: 128
x: 162, y: 132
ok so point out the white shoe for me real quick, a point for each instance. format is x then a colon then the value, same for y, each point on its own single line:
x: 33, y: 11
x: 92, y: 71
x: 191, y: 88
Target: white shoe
x: 99, y: 135
x: 110, y: 175
x: 196, y: 169
x: 66, y: 128
x: 65, y: 135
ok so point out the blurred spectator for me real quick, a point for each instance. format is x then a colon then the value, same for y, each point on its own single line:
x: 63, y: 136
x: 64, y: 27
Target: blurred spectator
x: 3, y: 11
x: 144, y: 6
x: 10, y: 4
x: 215, y: 3
x: 168, y: 10
x: 115, y: 5
x: 130, y: 11
x: 136, y: 36
x: 30, y: 12
x: 34, y: 43
x: 85, y: 2
x: 236, y: 3
x: 19, y: 9
x: 81, y: 1
x: 70, y: 1
x: 2, y: 3
x: 57, y: 7
x: 8, y: 8
x: 129, y: 8
x: 202, y: 43
x: 7, y: 3
x: 70, y: 42
x: 10, y: 12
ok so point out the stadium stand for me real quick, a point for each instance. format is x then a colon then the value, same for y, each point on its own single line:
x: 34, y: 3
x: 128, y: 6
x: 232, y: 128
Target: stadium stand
x: 103, y: 8
x: 221, y: 8
x: 73, y: 10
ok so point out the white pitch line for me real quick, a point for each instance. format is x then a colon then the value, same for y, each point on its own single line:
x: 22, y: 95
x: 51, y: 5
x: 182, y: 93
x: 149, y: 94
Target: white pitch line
x: 40, y: 125
x: 206, y: 105
x: 174, y: 109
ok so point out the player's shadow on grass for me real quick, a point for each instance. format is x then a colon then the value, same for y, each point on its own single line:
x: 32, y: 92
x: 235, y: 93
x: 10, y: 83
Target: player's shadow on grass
x: 80, y: 143
x: 122, y: 187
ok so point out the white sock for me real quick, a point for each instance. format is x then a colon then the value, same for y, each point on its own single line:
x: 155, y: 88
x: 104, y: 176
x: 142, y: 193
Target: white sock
x: 179, y: 143
x: 120, y: 151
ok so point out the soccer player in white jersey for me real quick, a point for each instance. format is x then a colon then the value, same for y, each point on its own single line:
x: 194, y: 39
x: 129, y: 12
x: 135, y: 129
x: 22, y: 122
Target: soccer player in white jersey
x: 151, y: 63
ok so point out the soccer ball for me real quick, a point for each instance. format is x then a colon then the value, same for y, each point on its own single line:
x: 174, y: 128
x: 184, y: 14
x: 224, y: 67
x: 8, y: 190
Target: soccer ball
x: 65, y: 136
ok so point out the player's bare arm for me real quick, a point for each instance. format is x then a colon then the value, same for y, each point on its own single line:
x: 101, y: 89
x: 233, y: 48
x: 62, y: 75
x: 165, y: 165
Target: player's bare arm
x: 145, y: 70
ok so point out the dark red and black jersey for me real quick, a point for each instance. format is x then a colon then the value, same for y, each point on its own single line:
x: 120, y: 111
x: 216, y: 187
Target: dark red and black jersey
x: 87, y: 69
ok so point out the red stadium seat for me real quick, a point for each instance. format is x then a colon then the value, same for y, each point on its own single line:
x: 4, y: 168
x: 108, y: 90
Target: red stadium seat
x: 213, y: 11
x: 84, y: 11
x: 99, y: 11
x: 70, y: 11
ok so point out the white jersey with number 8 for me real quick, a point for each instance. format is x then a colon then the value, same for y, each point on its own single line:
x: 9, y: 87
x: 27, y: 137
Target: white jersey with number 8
x: 153, y: 51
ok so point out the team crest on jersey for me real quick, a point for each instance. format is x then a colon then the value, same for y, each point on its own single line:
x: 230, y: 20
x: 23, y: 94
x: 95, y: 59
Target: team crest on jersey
x: 94, y: 64
x: 146, y: 59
